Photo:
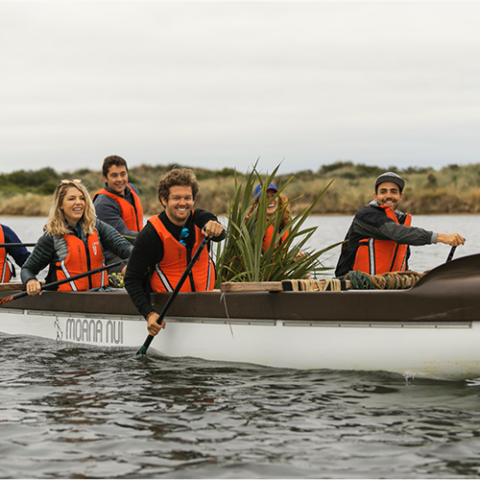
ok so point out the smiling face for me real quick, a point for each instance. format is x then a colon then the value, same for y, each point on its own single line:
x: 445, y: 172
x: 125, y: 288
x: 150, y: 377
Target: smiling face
x: 179, y: 204
x: 117, y: 179
x: 271, y: 204
x: 388, y: 193
x: 73, y: 206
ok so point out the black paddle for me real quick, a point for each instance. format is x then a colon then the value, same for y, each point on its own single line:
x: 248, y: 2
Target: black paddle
x: 450, y: 255
x: 148, y: 341
x: 4, y: 245
x: 452, y: 251
x: 60, y: 282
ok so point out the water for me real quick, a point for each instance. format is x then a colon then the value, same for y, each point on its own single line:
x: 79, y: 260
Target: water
x: 83, y: 412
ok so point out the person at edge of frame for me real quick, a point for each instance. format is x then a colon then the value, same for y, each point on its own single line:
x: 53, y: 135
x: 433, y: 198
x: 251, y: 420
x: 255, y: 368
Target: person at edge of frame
x: 118, y: 204
x: 168, y: 241
x: 19, y: 254
x: 379, y: 238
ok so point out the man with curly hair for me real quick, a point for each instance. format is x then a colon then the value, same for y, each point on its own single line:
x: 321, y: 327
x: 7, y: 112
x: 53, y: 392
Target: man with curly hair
x: 165, y: 246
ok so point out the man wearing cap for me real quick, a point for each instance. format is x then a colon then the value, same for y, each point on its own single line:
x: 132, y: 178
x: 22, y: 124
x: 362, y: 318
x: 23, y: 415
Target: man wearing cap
x: 379, y: 238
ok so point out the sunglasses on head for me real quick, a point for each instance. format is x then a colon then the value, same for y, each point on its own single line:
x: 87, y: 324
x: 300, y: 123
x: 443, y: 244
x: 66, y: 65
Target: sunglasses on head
x: 67, y: 182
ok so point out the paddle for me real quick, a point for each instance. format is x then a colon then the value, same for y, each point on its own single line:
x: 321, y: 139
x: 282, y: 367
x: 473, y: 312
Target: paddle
x: 4, y: 245
x: 148, y: 341
x: 450, y: 255
x: 452, y: 251
x: 60, y: 282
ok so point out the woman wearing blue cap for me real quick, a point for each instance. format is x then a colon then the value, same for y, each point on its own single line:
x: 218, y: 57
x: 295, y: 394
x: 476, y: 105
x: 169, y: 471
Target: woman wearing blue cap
x: 272, y: 205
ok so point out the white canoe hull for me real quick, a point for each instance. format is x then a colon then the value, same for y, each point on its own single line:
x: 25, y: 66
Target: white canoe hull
x: 446, y: 350
x: 429, y: 330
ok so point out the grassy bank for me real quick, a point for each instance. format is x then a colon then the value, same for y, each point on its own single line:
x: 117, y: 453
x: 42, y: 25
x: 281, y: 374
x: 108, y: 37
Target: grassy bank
x: 450, y: 190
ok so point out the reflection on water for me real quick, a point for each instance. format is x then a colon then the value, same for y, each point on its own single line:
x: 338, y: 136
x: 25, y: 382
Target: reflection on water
x: 90, y: 413
x: 85, y: 412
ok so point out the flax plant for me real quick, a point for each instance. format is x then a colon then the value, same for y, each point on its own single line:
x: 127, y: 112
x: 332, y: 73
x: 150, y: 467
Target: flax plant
x: 241, y: 259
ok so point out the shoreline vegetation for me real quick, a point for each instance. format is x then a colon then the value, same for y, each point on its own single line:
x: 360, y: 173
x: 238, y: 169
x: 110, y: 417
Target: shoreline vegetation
x: 453, y: 189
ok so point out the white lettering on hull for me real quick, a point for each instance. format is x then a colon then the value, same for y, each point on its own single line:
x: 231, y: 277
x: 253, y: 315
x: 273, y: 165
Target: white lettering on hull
x: 108, y: 332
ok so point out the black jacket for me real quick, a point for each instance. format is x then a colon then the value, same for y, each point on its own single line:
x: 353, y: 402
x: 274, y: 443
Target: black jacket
x: 372, y: 222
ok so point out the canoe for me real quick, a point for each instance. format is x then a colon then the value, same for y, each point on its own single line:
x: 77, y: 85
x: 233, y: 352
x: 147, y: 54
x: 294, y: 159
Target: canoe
x: 429, y: 330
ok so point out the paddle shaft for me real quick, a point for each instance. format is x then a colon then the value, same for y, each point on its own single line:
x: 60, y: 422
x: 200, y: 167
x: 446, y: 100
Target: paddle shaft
x: 450, y: 255
x: 60, y: 282
x: 6, y: 245
x: 148, y: 341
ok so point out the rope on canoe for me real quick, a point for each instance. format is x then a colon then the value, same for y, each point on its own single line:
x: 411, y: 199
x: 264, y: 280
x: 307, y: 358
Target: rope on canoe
x: 386, y: 281
x: 357, y: 281
x: 327, y: 284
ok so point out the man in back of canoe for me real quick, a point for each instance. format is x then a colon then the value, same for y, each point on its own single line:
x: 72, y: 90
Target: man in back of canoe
x: 379, y: 238
x: 19, y: 254
x: 166, y: 245
x: 118, y: 204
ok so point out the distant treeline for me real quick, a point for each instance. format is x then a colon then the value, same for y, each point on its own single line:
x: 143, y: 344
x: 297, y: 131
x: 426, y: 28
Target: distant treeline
x: 452, y: 189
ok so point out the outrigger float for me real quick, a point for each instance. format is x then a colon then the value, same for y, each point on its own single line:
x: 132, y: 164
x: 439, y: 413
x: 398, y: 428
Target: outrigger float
x: 429, y: 330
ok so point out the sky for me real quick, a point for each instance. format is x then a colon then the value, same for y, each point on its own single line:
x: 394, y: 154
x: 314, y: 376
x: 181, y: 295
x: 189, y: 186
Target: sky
x: 220, y: 85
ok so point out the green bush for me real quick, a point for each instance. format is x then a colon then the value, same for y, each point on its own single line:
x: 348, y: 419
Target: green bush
x: 241, y: 258
x: 47, y: 188
x: 324, y: 169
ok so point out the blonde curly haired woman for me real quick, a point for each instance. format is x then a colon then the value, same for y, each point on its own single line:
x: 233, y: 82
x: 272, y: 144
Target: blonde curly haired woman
x: 73, y: 242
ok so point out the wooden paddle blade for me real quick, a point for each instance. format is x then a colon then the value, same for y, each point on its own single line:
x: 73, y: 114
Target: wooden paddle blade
x: 251, y: 287
x: 285, y: 285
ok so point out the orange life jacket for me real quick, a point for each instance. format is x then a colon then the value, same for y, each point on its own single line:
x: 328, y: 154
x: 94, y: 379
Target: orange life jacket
x: 80, y: 259
x: 376, y: 257
x: 132, y: 215
x: 5, y: 266
x: 269, y: 236
x: 168, y: 271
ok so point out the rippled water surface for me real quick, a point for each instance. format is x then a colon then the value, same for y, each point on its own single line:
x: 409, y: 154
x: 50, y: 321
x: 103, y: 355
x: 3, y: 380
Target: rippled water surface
x: 69, y: 412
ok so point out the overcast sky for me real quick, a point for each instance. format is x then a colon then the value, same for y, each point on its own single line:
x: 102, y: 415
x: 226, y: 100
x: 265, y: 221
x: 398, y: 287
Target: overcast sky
x: 218, y: 85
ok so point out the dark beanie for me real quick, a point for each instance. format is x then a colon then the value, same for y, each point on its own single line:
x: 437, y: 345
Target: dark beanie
x: 390, y: 177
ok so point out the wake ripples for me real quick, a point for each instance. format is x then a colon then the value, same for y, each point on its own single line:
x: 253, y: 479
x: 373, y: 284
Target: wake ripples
x: 84, y: 412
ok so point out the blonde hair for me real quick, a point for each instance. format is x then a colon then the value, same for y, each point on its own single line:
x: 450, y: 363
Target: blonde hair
x: 283, y: 205
x: 56, y: 222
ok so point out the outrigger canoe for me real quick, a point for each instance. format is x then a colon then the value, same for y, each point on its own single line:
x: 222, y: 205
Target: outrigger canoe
x: 429, y: 330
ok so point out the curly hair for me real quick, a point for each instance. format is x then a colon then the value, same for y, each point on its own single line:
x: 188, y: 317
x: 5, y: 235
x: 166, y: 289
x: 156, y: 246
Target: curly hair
x: 283, y: 204
x: 56, y: 222
x: 181, y: 177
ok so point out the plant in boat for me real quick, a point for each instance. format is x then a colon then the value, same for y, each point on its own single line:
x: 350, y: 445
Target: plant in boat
x: 241, y: 257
